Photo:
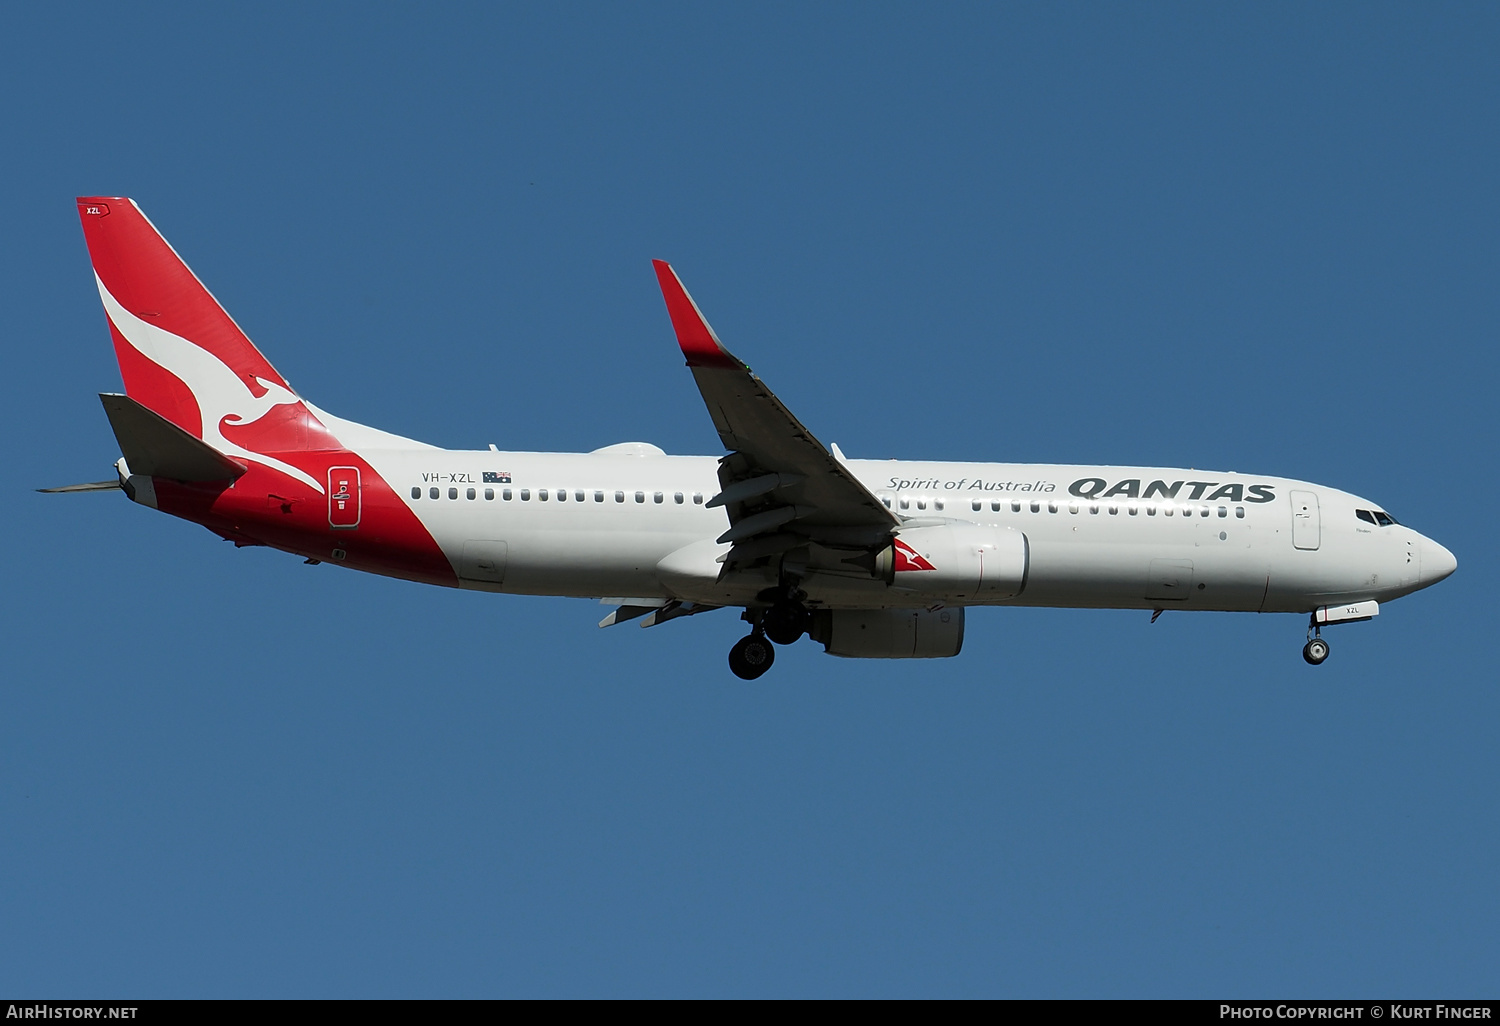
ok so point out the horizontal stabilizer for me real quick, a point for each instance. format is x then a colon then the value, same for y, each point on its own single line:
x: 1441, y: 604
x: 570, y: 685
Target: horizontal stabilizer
x: 88, y: 486
x: 155, y: 447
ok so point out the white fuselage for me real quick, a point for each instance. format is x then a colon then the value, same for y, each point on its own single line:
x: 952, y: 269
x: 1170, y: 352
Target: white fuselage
x: 637, y: 526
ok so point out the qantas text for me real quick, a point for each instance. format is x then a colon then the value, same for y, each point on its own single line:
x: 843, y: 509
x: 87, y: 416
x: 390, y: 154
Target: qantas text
x: 1099, y: 488
x: 1130, y: 488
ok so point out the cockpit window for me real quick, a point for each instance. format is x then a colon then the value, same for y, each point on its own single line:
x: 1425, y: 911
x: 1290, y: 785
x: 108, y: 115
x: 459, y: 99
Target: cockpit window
x: 1365, y: 515
x: 1384, y: 519
x: 1375, y: 516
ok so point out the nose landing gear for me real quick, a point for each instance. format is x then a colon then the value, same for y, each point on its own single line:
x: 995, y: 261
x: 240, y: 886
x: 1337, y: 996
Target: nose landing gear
x: 1316, y: 649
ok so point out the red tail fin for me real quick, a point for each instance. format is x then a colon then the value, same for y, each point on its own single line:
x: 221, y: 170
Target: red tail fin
x: 180, y: 354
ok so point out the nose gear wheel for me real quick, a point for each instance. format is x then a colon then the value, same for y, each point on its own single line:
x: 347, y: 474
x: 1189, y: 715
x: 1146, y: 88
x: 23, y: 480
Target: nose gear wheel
x: 1316, y: 649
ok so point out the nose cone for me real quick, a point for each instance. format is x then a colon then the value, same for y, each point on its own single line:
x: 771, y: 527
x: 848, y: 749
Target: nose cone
x: 1437, y: 562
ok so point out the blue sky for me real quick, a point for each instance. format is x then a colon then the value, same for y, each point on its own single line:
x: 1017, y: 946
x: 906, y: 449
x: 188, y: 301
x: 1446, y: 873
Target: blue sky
x: 1254, y: 237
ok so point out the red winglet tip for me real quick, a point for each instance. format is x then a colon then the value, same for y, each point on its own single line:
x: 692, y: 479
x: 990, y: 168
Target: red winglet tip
x: 699, y: 343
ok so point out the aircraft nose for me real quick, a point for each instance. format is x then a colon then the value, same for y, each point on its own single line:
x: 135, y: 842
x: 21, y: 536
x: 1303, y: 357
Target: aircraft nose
x: 1437, y: 562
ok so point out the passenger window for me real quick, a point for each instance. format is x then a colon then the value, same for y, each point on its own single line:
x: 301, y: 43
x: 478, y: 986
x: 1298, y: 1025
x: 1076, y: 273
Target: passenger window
x: 1036, y: 507
x: 976, y: 505
x: 921, y: 504
x: 937, y: 504
x: 598, y: 496
x: 578, y: 496
x: 1093, y: 509
x: 432, y: 493
x: 541, y: 495
x: 562, y: 495
x: 1015, y: 505
x: 656, y: 497
x: 905, y: 502
x: 416, y: 493
x: 489, y: 495
x: 1131, y: 509
x: 1114, y: 510
x: 995, y: 506
x: 640, y: 496
x: 1074, y: 507
x: 1223, y: 512
x: 697, y: 498
x: 452, y: 493
x: 677, y: 498
x: 1166, y: 509
x: 1203, y: 511
x: 619, y: 496
x: 505, y: 494
x: 1239, y: 512
x: 525, y: 494
x: 887, y: 500
x: 1151, y: 509
x: 471, y: 493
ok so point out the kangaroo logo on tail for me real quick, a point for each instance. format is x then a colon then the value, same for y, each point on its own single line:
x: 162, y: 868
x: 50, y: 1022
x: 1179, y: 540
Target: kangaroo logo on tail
x: 223, y: 397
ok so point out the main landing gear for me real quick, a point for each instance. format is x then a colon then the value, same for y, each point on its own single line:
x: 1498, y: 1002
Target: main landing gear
x: 1316, y: 649
x: 751, y: 656
x: 783, y: 623
x: 786, y: 623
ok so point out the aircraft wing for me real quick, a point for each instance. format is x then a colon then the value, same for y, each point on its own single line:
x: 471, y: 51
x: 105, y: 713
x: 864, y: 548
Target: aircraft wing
x: 780, y: 485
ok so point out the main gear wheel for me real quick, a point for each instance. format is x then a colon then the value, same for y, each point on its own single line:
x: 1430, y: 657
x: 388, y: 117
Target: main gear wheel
x: 751, y: 656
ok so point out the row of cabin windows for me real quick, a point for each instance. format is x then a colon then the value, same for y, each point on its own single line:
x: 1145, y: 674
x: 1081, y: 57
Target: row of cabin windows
x: 560, y: 494
x: 1055, y: 506
x: 1376, y: 517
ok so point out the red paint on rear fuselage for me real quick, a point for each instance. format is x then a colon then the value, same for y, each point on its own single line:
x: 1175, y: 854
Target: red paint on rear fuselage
x: 268, y: 507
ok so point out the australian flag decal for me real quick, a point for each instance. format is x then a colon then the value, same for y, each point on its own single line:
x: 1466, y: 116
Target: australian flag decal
x: 491, y: 477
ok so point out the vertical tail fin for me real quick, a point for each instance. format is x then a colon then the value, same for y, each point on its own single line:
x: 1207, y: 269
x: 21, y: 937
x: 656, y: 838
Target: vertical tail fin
x: 180, y: 354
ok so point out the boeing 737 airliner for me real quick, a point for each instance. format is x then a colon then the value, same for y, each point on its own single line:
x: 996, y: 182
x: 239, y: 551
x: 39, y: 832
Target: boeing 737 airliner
x: 872, y: 559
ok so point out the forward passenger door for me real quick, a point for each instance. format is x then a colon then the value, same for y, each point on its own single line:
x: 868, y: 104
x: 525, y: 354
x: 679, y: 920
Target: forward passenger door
x: 1307, y: 528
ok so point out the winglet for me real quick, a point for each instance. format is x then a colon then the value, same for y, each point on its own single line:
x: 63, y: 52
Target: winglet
x: 699, y: 343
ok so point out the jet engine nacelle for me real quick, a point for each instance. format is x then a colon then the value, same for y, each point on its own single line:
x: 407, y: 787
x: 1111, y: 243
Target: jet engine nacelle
x: 889, y: 633
x: 963, y: 562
